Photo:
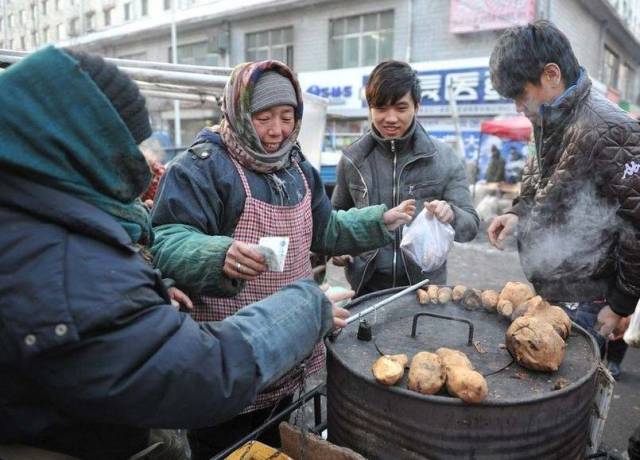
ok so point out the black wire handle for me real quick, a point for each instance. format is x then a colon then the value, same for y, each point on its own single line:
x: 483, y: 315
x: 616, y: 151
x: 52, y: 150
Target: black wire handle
x: 451, y: 318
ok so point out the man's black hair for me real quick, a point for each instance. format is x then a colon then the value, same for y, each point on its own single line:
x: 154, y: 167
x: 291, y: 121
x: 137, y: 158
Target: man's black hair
x: 522, y: 52
x: 389, y: 82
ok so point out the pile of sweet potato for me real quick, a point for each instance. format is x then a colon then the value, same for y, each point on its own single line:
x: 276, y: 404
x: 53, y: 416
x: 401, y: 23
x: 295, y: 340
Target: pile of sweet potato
x: 537, y: 334
x: 430, y: 372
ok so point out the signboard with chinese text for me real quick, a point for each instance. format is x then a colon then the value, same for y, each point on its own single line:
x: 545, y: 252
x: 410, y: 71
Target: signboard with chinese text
x: 476, y: 15
x: 465, y: 80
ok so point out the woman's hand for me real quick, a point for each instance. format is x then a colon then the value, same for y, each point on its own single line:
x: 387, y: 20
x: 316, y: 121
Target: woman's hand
x: 243, y: 262
x: 400, y: 215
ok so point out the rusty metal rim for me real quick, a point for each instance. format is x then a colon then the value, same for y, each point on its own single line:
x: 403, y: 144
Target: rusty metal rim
x: 457, y: 402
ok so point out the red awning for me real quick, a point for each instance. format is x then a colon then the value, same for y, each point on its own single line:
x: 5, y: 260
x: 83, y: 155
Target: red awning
x: 514, y: 128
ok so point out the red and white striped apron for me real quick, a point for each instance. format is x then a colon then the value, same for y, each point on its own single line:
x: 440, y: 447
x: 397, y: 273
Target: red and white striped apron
x: 259, y: 219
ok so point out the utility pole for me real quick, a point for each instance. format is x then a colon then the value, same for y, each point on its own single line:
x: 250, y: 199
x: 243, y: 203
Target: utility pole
x: 177, y: 128
x: 5, y: 25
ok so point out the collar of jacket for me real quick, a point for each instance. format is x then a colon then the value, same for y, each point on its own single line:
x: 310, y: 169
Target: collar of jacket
x: 554, y: 114
x: 416, y: 141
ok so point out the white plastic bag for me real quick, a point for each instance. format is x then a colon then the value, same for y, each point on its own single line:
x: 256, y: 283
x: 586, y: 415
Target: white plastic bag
x: 427, y: 241
x: 632, y: 334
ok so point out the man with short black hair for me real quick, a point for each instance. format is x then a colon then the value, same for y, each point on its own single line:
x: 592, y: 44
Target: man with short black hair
x: 394, y: 161
x: 578, y: 214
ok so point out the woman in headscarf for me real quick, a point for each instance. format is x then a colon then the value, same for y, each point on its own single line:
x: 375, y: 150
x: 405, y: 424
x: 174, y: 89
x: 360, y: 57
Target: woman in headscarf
x: 240, y: 181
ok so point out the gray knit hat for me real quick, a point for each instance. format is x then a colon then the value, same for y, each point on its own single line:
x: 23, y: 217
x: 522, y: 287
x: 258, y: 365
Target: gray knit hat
x: 270, y: 90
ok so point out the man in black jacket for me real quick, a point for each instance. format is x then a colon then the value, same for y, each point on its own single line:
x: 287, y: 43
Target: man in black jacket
x: 398, y: 160
x: 578, y: 214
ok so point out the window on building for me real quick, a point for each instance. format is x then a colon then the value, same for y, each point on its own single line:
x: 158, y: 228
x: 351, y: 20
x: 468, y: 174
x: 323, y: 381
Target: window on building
x: 611, y: 68
x: 361, y: 40
x: 34, y: 12
x: 23, y: 17
x: 10, y: 21
x: 167, y: 4
x: 627, y: 78
x: 11, y: 44
x: 128, y: 10
x: 73, y: 27
x: 200, y: 53
x: 270, y: 44
x: 1, y: 25
x: 34, y: 39
x: 45, y: 35
x: 107, y: 16
x: 60, y: 35
x: 44, y: 7
x: 58, y: 5
x: 23, y: 43
x: 1, y: 44
x: 144, y: 7
x: 90, y: 21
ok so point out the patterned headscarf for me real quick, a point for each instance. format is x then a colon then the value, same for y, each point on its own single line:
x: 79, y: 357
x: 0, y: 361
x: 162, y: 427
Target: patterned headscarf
x: 236, y: 128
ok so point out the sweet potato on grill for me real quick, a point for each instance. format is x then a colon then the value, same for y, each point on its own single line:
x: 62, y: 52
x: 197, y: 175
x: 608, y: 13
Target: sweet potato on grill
x: 426, y: 374
x: 472, y: 298
x: 432, y: 290
x: 444, y: 294
x: 423, y: 297
x: 453, y: 358
x: 535, y: 344
x: 458, y: 293
x: 402, y: 359
x: 489, y: 299
x: 515, y: 293
x: 466, y: 384
x: 534, y: 303
x: 387, y: 371
x: 553, y: 315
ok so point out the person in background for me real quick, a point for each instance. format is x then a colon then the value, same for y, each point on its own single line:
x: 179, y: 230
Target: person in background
x: 241, y: 181
x: 577, y: 216
x: 394, y: 161
x: 514, y: 167
x: 92, y: 354
x: 495, y: 170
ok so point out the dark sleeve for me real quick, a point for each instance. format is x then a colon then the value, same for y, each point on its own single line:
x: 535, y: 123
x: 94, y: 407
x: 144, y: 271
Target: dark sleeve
x: 524, y: 201
x: 456, y: 193
x: 188, y: 219
x: 320, y: 204
x: 341, y: 198
x: 136, y: 360
x: 616, y: 162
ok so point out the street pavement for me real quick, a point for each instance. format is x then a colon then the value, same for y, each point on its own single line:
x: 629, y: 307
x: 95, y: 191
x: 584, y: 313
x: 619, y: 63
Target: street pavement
x: 479, y: 265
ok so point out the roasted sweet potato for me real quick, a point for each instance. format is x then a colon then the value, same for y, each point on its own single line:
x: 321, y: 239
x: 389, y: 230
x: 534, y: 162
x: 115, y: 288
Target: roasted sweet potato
x: 444, y: 294
x: 489, y: 299
x: 553, y: 315
x: 453, y: 358
x: 426, y: 374
x: 466, y: 384
x: 458, y: 293
x: 471, y: 298
x: 432, y: 290
x: 387, y: 371
x: 535, y: 344
x: 516, y: 293
x: 423, y: 297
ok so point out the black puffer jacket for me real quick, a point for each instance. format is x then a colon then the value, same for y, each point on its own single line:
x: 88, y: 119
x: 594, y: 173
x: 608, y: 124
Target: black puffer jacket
x: 579, y: 209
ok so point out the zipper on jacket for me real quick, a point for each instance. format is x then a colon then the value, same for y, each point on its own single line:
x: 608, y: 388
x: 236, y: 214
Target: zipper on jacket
x: 393, y: 205
x: 364, y: 270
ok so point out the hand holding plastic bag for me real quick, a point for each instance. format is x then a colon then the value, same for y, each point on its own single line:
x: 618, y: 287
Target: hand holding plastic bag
x: 427, y: 241
x: 632, y: 334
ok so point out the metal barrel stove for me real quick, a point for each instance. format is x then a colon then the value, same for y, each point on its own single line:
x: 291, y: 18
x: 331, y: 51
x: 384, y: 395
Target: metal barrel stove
x: 526, y: 415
